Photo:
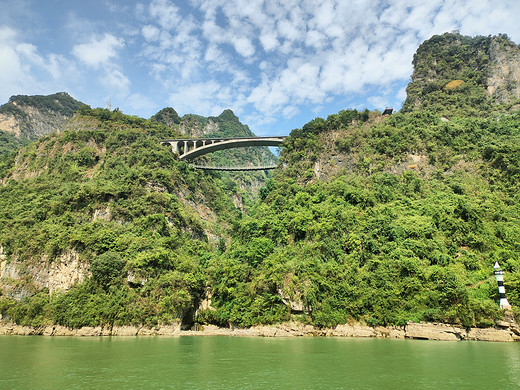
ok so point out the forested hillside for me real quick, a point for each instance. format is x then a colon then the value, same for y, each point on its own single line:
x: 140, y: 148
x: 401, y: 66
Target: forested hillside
x: 388, y: 220
x: 406, y: 227
x: 371, y: 218
x: 106, y: 202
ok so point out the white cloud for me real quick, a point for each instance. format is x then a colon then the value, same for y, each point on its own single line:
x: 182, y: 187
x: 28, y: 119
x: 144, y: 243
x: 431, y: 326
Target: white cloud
x: 268, y: 58
x: 209, y: 98
x: 272, y: 57
x: 244, y: 47
x: 401, y: 94
x: 98, y: 51
x: 139, y: 102
x: 29, y: 51
x: 24, y: 70
x: 114, y: 80
x: 315, y: 39
x: 150, y: 33
x: 165, y: 12
x: 290, y: 111
x: 380, y: 101
x: 269, y: 40
x: 288, y: 30
x: 12, y: 77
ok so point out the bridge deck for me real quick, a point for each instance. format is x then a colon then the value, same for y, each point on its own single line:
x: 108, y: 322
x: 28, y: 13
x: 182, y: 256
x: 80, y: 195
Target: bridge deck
x: 223, y: 138
x: 261, y: 168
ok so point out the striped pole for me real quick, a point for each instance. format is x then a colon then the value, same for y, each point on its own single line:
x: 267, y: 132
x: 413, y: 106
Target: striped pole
x: 499, y: 275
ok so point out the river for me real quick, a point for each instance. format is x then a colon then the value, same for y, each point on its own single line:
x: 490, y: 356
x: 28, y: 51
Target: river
x: 220, y: 362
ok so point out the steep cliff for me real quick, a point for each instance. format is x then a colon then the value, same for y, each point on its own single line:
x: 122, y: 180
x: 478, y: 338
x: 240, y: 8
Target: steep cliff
x: 503, y: 77
x: 35, y: 116
x: 455, y: 72
x: 391, y: 219
x: 100, y: 203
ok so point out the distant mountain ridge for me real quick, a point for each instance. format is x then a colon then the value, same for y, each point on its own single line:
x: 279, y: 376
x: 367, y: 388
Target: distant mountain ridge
x: 27, y: 118
x: 227, y: 124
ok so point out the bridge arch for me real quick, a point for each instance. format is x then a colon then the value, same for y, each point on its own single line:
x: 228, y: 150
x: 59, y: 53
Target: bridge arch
x: 188, y: 149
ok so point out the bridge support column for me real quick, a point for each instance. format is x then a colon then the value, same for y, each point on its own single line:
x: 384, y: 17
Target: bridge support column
x: 176, y: 147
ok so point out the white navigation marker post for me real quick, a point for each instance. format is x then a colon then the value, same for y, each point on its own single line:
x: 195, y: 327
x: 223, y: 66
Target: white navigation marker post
x: 499, y: 275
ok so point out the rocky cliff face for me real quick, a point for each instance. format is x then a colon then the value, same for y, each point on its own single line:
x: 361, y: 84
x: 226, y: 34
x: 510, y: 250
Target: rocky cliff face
x: 20, y: 280
x: 92, y: 155
x: 503, y: 81
x: 34, y: 116
x: 459, y: 72
x: 199, y: 127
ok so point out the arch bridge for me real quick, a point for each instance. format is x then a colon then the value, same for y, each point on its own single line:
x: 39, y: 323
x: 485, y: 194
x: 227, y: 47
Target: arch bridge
x: 188, y: 149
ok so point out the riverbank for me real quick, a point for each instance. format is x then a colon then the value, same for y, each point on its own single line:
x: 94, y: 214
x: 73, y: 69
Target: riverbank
x: 503, y: 332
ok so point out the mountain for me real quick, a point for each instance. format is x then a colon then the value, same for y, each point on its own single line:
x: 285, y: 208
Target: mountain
x: 370, y: 218
x: 389, y: 219
x: 227, y: 124
x: 101, y: 210
x: 35, y: 116
x: 26, y: 118
x: 455, y: 72
x: 104, y: 176
x: 167, y: 116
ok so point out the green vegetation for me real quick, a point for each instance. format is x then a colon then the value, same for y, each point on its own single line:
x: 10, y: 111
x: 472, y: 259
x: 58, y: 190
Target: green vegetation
x: 450, y: 57
x: 9, y: 144
x: 61, y: 103
x: 244, y: 184
x: 228, y: 125
x: 117, y: 197
x: 378, y: 219
x: 38, y: 115
x: 167, y: 116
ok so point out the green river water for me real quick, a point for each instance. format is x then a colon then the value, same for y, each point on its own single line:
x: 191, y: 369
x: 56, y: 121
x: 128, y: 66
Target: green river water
x: 218, y: 362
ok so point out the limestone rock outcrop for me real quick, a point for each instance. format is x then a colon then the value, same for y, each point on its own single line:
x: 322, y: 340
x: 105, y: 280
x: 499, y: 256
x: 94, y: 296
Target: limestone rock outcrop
x: 503, y: 81
x: 35, y: 116
x: 450, y: 64
x: 61, y: 274
x: 417, y: 331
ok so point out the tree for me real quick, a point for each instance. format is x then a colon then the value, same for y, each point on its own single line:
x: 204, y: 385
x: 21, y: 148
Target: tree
x: 107, y: 269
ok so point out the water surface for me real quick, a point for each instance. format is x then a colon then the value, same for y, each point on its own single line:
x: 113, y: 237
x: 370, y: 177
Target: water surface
x: 219, y: 362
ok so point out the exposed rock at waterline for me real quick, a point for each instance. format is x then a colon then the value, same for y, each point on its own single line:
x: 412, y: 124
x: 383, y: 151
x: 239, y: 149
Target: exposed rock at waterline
x: 423, y: 331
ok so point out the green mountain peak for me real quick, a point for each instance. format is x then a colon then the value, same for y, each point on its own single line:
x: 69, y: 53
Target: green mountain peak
x: 460, y: 74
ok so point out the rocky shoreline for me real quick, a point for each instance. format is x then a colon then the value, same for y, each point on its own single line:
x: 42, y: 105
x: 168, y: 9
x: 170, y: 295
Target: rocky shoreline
x: 503, y: 332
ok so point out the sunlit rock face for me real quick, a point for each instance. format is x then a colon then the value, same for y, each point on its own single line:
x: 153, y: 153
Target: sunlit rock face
x: 485, y: 70
x: 35, y: 116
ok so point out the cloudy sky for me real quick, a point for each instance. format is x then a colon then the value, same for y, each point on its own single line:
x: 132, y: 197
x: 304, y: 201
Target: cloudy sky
x: 276, y: 63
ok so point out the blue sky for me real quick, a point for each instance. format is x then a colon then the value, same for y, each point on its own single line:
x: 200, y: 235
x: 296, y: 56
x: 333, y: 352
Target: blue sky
x: 276, y: 63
